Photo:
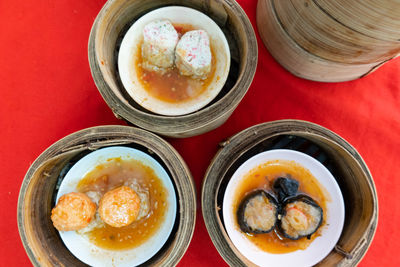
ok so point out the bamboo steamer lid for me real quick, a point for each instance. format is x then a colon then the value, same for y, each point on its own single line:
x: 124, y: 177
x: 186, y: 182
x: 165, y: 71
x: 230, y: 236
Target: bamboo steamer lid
x: 379, y: 19
x: 39, y: 188
x: 106, y: 35
x: 344, y: 162
x: 314, y: 41
x: 317, y: 32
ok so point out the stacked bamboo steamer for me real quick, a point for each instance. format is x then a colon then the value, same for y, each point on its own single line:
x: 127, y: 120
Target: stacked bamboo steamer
x: 330, y: 41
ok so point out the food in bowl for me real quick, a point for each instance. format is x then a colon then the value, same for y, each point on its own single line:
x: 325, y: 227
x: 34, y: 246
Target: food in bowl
x: 282, y: 178
x: 136, y: 207
x: 122, y: 185
x: 201, y: 62
x: 296, y: 215
x: 288, y: 176
x: 131, y: 201
x: 191, y: 70
x: 164, y: 47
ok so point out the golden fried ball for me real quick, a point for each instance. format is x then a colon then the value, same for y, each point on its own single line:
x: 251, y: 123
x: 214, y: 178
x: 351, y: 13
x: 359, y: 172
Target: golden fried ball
x: 119, y: 207
x: 73, y: 211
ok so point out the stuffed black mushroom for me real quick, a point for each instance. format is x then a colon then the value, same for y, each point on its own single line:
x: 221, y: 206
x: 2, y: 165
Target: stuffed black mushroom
x: 258, y: 212
x: 285, y: 187
x: 300, y: 217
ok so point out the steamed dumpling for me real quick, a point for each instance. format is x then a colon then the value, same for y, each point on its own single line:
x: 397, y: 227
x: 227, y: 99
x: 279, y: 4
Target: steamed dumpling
x: 193, y: 54
x: 159, y: 41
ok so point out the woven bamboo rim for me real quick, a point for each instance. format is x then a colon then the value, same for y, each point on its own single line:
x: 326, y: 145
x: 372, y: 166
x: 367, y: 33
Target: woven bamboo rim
x: 353, y: 176
x: 114, y: 20
x: 40, y: 239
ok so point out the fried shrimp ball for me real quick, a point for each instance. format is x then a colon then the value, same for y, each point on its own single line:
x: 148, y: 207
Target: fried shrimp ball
x: 74, y: 211
x: 119, y: 207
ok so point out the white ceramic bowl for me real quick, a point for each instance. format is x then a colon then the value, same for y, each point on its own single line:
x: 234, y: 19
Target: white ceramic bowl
x: 89, y: 253
x: 129, y: 48
x: 321, y: 246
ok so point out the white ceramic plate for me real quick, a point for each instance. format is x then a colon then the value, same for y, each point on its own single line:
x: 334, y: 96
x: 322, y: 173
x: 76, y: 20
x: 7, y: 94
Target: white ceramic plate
x: 321, y: 246
x: 86, y: 251
x: 129, y: 48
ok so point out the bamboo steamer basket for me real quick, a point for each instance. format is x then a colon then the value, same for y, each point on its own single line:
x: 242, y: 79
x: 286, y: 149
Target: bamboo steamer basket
x: 343, y: 161
x: 313, y: 39
x: 39, y: 188
x: 106, y: 35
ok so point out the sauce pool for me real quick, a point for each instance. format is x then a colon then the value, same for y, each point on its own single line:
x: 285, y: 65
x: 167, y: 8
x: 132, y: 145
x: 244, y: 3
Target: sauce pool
x: 262, y: 177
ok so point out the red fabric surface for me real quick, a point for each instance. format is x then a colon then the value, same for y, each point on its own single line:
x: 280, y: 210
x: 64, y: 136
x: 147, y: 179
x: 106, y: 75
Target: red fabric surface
x: 47, y: 92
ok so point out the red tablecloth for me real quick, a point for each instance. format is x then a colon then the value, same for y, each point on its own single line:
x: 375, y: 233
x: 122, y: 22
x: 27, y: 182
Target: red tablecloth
x: 47, y: 92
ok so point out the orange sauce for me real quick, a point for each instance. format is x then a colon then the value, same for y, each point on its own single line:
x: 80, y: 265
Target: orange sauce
x: 171, y: 86
x: 113, y: 174
x: 262, y: 177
